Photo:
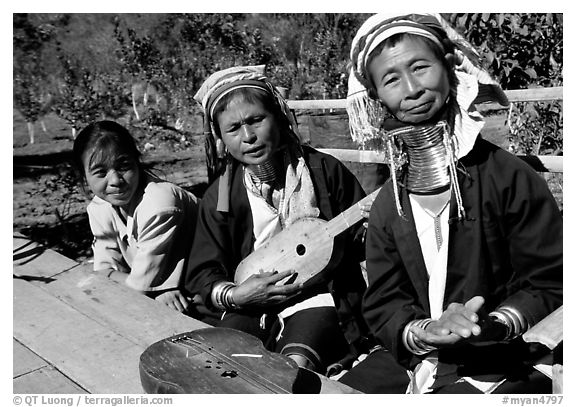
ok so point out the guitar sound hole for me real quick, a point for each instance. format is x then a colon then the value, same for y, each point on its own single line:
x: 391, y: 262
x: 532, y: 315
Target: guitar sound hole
x: 301, y: 250
x: 229, y: 373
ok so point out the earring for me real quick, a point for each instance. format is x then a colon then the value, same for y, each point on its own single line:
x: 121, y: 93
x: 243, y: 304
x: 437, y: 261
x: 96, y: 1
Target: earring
x: 220, y: 148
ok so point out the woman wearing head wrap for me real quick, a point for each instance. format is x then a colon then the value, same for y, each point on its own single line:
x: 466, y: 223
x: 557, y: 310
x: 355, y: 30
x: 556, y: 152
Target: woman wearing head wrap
x: 464, y: 243
x: 266, y: 180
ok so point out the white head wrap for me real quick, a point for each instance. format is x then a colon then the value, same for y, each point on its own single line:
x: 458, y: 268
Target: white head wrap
x: 218, y: 85
x: 221, y: 83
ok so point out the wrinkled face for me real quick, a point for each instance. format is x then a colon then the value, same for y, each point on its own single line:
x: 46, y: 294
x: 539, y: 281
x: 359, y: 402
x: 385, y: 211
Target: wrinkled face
x: 114, y: 179
x: 249, y: 131
x: 410, y: 80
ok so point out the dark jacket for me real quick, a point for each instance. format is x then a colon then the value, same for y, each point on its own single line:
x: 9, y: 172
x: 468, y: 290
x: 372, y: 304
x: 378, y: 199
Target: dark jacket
x: 508, y: 250
x: 222, y: 240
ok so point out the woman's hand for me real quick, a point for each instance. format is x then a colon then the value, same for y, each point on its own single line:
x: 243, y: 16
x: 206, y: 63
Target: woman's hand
x: 365, y: 211
x: 174, y: 299
x: 457, y: 323
x: 261, y: 289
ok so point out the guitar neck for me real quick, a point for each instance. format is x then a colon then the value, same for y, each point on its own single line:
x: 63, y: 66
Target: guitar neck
x: 349, y: 217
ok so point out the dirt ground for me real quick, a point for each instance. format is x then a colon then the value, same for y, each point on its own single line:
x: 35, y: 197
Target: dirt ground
x: 49, y: 207
x: 47, y: 204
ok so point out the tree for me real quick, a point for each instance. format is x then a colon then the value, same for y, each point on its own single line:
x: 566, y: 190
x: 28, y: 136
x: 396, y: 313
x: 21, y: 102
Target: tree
x: 523, y: 51
x: 520, y: 49
x: 84, y: 95
x: 173, y: 54
x: 140, y: 61
x: 30, y: 97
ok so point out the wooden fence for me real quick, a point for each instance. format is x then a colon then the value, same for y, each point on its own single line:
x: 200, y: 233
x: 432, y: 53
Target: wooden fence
x: 542, y: 163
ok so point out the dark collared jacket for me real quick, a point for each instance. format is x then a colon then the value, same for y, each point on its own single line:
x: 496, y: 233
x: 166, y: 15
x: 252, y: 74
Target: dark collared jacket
x: 223, y: 240
x: 508, y: 250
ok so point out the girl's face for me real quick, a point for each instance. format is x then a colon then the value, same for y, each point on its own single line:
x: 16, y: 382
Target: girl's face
x: 113, y: 179
x: 410, y: 80
x: 249, y: 131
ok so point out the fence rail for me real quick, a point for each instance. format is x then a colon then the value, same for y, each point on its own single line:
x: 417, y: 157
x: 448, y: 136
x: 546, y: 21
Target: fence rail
x: 542, y: 163
x: 514, y: 96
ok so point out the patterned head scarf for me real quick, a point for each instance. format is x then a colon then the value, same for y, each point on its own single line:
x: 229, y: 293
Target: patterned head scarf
x: 216, y: 87
x: 473, y: 83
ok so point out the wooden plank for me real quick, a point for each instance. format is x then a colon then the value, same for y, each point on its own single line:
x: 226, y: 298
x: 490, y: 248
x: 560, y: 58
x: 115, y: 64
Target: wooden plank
x: 142, y: 319
x: 90, y: 354
x: 116, y: 309
x: 114, y: 305
x: 320, y: 104
x: 24, y: 360
x: 549, y: 331
x: 32, y: 261
x: 329, y: 386
x: 496, y: 130
x: 535, y: 94
x: 46, y: 380
x: 314, y: 128
x: 519, y: 95
x: 124, y: 311
x: 76, y: 364
x: 542, y: 163
x: 342, y: 147
x: 361, y: 156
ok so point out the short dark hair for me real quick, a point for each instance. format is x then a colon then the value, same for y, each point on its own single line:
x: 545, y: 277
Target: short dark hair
x: 102, y: 136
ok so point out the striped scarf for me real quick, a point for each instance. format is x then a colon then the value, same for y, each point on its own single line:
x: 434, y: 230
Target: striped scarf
x: 214, y: 88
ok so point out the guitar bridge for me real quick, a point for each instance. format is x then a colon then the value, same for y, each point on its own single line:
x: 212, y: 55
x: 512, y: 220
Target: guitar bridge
x: 179, y: 338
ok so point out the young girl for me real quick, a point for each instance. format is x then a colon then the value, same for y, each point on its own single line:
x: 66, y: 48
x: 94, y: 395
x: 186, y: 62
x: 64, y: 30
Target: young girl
x: 142, y: 226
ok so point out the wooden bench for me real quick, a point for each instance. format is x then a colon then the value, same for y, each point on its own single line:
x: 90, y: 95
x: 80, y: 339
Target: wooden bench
x: 77, y: 332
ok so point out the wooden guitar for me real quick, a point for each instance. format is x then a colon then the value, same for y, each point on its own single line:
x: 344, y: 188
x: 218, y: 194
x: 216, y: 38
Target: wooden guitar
x: 306, y: 246
x: 220, y: 361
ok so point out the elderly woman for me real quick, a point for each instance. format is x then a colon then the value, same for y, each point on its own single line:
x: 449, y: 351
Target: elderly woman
x: 464, y: 243
x: 266, y: 181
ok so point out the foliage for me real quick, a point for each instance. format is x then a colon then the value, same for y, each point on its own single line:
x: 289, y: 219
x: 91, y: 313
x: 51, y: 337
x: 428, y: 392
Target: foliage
x: 29, y: 95
x: 90, y: 66
x: 28, y: 98
x: 536, y: 128
x: 169, y: 55
x: 522, y: 51
x: 65, y: 183
x: 311, y: 51
x: 84, y: 95
x: 178, y: 54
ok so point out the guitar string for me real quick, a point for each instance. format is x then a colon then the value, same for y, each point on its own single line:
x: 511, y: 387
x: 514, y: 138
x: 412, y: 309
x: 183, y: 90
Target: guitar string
x: 272, y: 386
x: 345, y: 214
x: 233, y: 364
x: 239, y: 367
x: 330, y: 230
